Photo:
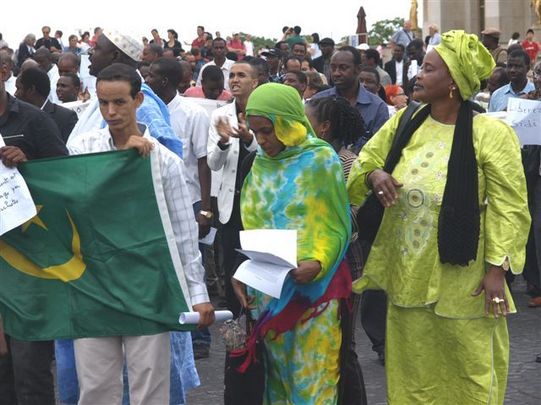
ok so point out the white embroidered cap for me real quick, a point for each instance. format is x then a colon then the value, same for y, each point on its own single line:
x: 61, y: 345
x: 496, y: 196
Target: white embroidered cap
x: 125, y: 43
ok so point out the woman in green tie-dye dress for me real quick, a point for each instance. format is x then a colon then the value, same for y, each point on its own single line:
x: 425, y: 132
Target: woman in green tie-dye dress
x: 296, y: 182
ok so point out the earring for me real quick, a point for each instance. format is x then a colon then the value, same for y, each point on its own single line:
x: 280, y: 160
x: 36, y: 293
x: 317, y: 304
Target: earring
x: 451, y: 89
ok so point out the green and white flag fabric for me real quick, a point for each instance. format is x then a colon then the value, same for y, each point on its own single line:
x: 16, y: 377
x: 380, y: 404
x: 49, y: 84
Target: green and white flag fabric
x: 99, y: 258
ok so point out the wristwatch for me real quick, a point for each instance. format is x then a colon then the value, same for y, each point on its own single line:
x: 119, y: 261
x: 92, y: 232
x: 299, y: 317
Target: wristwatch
x: 206, y: 214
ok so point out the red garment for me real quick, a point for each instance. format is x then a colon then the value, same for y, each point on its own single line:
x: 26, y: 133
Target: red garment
x: 93, y: 40
x: 531, y: 48
x: 198, y: 42
x: 338, y: 289
x: 235, y: 46
x: 197, y: 92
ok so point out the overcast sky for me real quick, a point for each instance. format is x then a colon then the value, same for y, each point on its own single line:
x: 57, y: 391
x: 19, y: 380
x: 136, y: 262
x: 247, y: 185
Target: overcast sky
x: 333, y: 18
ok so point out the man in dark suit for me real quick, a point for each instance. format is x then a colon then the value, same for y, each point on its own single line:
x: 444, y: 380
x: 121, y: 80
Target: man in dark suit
x: 47, y: 41
x: 398, y: 65
x: 33, y: 86
x: 323, y: 63
x: 25, y: 366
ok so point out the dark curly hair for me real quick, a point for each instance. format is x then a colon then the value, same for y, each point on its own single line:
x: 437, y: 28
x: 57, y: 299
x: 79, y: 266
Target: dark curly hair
x: 346, y: 122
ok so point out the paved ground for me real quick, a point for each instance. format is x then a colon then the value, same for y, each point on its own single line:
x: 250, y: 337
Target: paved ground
x: 524, y: 387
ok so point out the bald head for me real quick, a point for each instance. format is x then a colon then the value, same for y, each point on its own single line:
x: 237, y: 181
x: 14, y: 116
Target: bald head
x: 29, y: 63
x: 68, y: 63
x: 152, y: 52
x: 44, y: 57
x: 187, y: 73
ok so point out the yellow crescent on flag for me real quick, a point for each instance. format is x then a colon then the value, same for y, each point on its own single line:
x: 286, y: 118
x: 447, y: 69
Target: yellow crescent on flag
x: 68, y: 271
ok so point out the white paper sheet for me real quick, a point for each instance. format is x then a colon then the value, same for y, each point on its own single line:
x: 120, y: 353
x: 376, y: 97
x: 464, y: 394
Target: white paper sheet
x: 209, y: 239
x: 16, y: 204
x: 278, y: 242
x: 525, y: 118
x: 272, y: 253
x: 192, y: 318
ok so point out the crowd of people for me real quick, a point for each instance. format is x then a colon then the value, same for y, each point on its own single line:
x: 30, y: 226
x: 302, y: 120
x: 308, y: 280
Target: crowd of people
x: 414, y: 209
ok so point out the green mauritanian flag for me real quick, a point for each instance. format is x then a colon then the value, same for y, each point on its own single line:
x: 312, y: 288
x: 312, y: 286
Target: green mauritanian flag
x: 99, y: 259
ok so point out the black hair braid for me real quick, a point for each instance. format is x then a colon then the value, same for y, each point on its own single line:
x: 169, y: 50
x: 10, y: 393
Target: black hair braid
x: 346, y: 122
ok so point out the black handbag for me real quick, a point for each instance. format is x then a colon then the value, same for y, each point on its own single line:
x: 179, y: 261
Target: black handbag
x: 351, y: 389
x: 370, y: 214
x: 244, y: 387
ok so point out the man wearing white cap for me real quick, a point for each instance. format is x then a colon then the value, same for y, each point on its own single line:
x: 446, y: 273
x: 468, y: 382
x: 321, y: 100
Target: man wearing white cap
x: 113, y: 47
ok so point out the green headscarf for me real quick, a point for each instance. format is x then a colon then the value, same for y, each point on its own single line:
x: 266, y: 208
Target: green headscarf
x: 282, y: 105
x: 468, y: 60
x: 301, y: 188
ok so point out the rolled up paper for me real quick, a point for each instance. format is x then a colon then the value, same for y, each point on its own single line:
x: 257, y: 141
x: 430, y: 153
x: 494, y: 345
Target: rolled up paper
x: 192, y: 318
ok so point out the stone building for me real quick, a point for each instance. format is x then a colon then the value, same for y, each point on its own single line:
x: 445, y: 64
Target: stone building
x: 475, y: 15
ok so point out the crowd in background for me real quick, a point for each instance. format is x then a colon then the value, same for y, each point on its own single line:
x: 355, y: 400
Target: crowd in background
x: 237, y: 123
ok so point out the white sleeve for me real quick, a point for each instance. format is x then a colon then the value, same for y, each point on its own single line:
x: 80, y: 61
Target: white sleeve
x: 184, y: 225
x: 200, y: 133
x: 198, y: 82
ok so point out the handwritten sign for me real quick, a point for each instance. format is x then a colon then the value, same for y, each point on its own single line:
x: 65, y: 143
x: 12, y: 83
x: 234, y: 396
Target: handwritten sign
x: 525, y: 118
x: 16, y: 204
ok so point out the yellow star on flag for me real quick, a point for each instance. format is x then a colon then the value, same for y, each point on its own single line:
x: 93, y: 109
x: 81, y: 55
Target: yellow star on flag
x: 34, y: 220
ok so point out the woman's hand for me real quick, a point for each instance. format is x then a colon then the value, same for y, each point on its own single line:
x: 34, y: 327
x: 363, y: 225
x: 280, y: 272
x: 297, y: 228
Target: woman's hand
x: 306, y: 272
x: 239, y: 288
x: 494, y: 286
x: 384, y: 186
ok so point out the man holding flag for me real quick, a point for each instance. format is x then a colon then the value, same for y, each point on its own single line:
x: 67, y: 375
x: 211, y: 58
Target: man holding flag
x: 99, y: 360
x: 111, y: 258
x: 25, y: 366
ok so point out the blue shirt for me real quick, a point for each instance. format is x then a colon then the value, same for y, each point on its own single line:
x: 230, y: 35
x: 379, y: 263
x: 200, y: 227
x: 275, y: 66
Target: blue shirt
x: 498, y: 100
x: 154, y: 114
x: 372, y: 108
x: 402, y: 37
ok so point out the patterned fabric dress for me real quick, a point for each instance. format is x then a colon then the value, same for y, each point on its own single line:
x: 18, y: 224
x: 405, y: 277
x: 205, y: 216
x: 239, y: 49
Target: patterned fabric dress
x: 440, y: 346
x: 301, y: 330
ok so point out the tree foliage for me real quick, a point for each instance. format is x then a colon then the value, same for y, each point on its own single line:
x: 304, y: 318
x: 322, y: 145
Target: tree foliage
x: 383, y: 30
x: 260, y: 42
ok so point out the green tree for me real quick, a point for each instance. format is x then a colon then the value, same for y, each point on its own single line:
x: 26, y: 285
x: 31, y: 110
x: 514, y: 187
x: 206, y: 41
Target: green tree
x: 260, y: 42
x: 383, y: 30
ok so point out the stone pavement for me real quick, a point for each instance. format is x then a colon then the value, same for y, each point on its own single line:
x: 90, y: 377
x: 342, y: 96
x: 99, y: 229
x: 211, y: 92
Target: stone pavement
x: 524, y: 386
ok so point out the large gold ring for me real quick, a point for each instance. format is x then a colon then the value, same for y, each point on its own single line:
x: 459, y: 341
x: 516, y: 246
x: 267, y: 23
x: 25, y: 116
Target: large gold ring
x: 497, y: 300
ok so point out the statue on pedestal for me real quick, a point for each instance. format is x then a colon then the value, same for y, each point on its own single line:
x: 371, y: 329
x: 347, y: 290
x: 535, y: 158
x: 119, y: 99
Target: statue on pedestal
x: 413, y: 14
x: 536, y: 4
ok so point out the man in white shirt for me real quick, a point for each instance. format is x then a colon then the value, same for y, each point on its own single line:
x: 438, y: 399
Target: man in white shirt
x: 228, y: 143
x: 99, y: 361
x: 397, y: 67
x: 191, y: 124
x: 219, y: 50
x: 249, y: 45
x: 44, y: 58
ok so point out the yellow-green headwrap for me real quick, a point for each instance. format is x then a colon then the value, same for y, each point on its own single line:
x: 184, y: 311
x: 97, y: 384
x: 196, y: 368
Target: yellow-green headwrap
x: 282, y: 105
x: 468, y: 60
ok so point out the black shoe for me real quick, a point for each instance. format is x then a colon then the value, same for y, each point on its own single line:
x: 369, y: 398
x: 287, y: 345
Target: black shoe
x: 201, y: 351
x: 381, y: 358
x: 538, y: 358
